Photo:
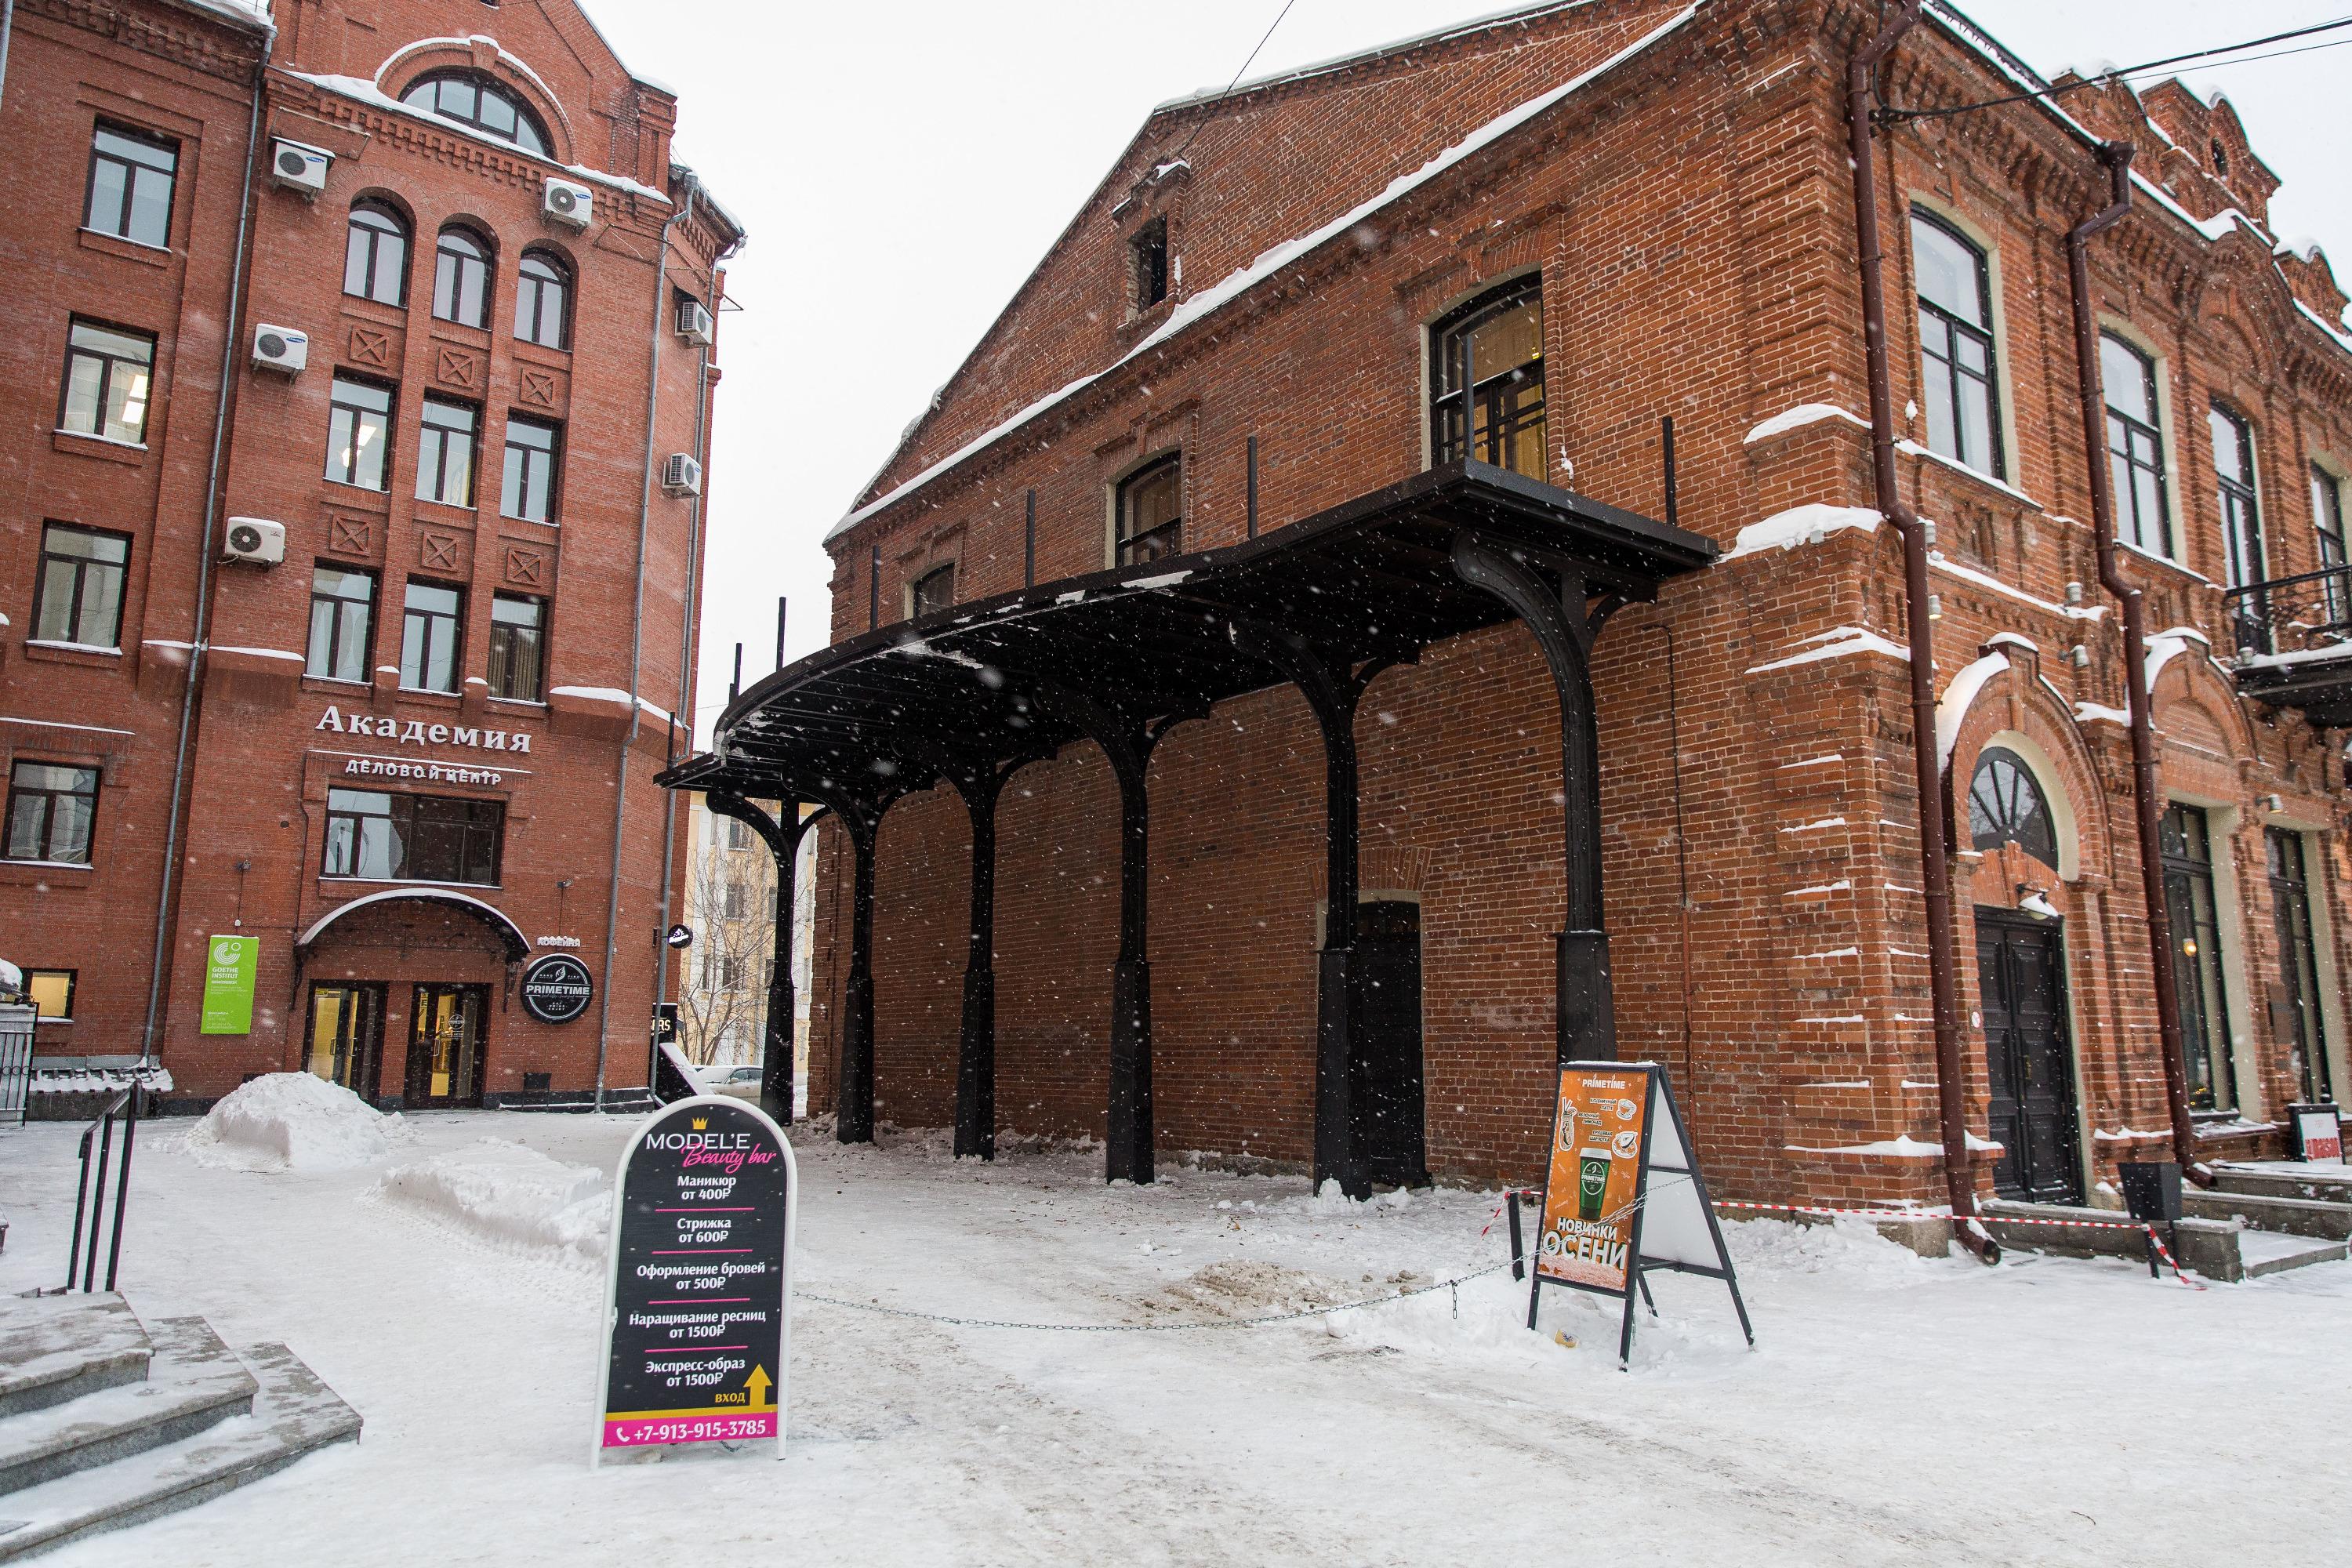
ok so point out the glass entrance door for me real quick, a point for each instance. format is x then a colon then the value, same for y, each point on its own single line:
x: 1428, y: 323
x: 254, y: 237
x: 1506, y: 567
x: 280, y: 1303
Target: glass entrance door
x: 444, y: 1045
x: 2296, y: 1017
x: 347, y: 1037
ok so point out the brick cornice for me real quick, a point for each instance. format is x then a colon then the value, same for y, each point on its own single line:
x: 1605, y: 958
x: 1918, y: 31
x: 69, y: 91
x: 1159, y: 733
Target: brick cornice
x: 217, y: 49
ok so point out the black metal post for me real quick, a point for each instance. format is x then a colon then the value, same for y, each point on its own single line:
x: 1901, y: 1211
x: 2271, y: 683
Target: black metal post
x: 1666, y: 437
x: 778, y: 1073
x: 735, y: 682
x: 1253, y: 487
x: 81, y: 1200
x: 780, y: 603
x: 874, y: 588
x: 1585, y: 1018
x: 98, y: 1199
x: 1029, y: 545
x: 975, y: 1104
x: 1128, y: 1134
x: 121, y: 1188
x: 854, y: 1106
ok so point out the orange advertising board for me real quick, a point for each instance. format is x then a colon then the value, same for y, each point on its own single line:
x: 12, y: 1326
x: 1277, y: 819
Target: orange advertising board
x: 1590, y: 1196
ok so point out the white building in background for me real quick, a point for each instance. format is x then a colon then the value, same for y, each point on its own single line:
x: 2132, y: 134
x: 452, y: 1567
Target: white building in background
x: 731, y: 901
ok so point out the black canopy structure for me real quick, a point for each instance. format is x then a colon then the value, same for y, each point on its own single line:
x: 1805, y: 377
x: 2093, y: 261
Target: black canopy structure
x: 968, y: 695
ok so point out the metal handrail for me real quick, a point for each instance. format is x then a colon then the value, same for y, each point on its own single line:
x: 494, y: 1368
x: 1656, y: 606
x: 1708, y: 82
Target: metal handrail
x: 2310, y: 609
x: 90, y: 1198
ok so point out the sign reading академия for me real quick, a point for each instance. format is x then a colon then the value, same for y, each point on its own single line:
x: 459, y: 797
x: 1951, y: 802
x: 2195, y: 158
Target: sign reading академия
x: 230, y: 963
x: 698, y: 1315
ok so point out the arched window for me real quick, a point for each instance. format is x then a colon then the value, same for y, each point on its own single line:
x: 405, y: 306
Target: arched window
x: 2135, y: 445
x: 2233, y: 473
x: 461, y: 278
x: 1496, y: 340
x: 543, y: 301
x: 1956, y: 347
x: 2005, y: 806
x: 375, y: 258
x: 476, y: 103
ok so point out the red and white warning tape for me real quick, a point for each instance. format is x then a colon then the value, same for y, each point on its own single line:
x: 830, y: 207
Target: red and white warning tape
x: 2148, y: 1230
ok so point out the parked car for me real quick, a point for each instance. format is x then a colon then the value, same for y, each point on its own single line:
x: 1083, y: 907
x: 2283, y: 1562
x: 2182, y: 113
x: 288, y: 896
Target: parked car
x: 742, y: 1082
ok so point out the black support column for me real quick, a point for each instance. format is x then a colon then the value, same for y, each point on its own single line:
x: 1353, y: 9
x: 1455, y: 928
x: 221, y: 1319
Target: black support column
x: 975, y: 1103
x: 783, y: 841
x: 1586, y: 1015
x: 1332, y: 691
x: 853, y: 1103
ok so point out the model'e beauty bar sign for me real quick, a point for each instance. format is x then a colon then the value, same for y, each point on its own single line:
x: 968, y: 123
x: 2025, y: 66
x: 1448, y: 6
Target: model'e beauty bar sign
x: 698, y: 1325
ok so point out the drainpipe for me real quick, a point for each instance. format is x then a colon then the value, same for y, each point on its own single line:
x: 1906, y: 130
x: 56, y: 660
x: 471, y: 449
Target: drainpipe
x: 196, y: 646
x: 636, y: 628
x: 2147, y: 793
x: 1927, y: 768
x: 687, y: 622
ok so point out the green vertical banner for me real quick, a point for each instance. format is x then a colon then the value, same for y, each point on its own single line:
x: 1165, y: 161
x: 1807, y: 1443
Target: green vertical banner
x: 230, y: 963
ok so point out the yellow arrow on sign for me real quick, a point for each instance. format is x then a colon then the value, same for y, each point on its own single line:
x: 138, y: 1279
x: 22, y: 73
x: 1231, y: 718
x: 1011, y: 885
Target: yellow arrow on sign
x: 757, y: 1387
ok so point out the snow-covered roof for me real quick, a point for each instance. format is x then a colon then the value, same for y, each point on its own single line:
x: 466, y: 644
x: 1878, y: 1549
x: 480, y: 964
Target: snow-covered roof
x: 1209, y: 302
x: 251, y: 13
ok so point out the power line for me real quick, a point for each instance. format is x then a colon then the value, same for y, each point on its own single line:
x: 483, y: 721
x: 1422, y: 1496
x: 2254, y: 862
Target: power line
x: 1219, y: 102
x: 2125, y: 73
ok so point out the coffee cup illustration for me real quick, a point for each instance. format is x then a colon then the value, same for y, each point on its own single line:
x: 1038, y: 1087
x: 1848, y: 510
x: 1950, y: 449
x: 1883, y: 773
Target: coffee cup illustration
x: 1592, y: 1182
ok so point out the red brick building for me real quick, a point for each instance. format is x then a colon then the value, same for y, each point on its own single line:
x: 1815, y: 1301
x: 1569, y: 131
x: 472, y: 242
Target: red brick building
x: 1621, y: 212
x: 355, y: 394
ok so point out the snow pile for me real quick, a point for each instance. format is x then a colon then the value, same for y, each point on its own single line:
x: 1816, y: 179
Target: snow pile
x: 511, y: 1196
x: 1236, y: 1287
x: 293, y: 1121
x: 1806, y: 524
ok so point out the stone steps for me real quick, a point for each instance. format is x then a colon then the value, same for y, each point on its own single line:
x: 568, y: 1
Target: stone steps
x: 91, y: 1446
x: 2219, y: 1249
x: 2315, y: 1217
x: 2287, y: 1179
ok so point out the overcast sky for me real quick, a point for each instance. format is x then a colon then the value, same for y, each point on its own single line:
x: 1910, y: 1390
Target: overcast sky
x: 901, y: 168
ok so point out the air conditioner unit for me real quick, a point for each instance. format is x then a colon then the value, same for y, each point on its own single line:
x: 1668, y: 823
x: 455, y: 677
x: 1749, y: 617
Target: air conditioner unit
x: 693, y: 321
x: 256, y: 539
x: 281, y: 349
x: 567, y: 203
x: 298, y: 166
x: 681, y: 474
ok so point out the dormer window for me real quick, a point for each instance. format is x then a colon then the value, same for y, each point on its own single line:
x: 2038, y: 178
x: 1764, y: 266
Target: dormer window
x: 1147, y: 255
x: 480, y: 105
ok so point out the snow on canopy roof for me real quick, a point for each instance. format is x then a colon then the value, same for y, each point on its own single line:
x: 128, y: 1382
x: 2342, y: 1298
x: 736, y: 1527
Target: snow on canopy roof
x: 1270, y: 262
x: 491, y: 914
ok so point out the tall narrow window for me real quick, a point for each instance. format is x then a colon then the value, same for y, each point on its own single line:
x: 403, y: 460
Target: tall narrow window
x: 543, y: 301
x: 461, y: 278
x: 77, y: 598
x: 2327, y: 531
x: 1956, y: 346
x: 342, y: 616
x: 2299, y: 1024
x: 445, y: 453
x: 105, y: 393
x: 1494, y: 346
x: 2233, y: 472
x: 2135, y: 446
x: 358, y: 432
x: 375, y: 254
x: 51, y: 809
x: 1147, y: 259
x: 528, y: 488
x: 1149, y: 511
x: 131, y: 176
x: 518, y: 646
x: 432, y: 637
x: 2197, y: 958
x: 934, y: 590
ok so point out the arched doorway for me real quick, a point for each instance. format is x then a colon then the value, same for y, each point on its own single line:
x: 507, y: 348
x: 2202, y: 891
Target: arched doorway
x: 2021, y: 983
x: 397, y: 990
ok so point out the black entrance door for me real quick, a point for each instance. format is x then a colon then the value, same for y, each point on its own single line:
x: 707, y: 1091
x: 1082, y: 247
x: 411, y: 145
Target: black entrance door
x: 2020, y: 966
x: 444, y: 1045
x: 1385, y: 1096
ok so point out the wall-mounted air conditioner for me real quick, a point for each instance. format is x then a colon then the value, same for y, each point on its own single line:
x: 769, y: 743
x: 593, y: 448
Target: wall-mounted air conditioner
x: 298, y: 166
x: 282, y: 348
x: 681, y: 474
x: 567, y: 203
x: 253, y: 539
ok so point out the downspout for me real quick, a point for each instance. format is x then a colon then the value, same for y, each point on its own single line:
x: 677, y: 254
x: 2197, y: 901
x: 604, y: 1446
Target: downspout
x: 196, y: 644
x: 684, y: 705
x: 636, y: 631
x: 2147, y: 791
x: 1936, y: 877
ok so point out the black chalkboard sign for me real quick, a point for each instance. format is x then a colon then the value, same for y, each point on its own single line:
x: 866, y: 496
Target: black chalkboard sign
x: 698, y: 1327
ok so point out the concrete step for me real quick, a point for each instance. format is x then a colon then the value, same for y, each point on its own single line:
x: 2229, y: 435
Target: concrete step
x: 194, y: 1381
x: 53, y: 1349
x: 2262, y: 1211
x: 2328, y: 1184
x: 2207, y: 1247
x: 293, y: 1414
x: 2263, y: 1252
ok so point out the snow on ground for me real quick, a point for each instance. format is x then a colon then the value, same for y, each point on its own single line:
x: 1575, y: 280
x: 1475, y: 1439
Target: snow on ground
x: 1895, y: 1410
x: 292, y: 1122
